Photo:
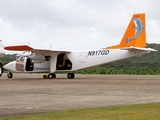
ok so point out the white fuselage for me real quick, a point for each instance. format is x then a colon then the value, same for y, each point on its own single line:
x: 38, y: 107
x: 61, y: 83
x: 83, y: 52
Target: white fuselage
x: 78, y: 60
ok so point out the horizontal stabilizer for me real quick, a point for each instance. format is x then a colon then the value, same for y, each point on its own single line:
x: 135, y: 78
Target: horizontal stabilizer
x: 137, y: 48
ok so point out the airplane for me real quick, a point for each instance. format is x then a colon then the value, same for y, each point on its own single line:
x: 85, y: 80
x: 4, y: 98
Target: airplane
x: 2, y: 53
x: 33, y: 60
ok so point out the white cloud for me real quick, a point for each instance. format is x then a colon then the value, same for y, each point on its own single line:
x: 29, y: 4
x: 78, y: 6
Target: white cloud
x: 73, y: 24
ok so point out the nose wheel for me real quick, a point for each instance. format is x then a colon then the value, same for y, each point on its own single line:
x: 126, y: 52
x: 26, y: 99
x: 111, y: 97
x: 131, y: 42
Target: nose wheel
x: 9, y: 75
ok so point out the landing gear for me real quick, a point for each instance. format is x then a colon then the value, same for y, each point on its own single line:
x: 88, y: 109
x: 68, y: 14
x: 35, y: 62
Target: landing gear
x: 9, y: 75
x: 70, y: 75
x: 51, y: 75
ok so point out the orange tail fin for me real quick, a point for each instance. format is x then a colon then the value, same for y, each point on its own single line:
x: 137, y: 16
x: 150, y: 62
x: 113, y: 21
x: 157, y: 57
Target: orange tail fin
x: 135, y: 34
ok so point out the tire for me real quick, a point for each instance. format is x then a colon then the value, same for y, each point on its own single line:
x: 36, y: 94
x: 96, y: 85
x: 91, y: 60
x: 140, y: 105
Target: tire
x: 1, y: 69
x: 70, y: 75
x: 9, y: 75
x: 51, y: 75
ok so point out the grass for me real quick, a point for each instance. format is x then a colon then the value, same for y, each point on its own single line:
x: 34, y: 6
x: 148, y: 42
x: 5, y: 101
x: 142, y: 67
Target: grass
x: 129, y: 112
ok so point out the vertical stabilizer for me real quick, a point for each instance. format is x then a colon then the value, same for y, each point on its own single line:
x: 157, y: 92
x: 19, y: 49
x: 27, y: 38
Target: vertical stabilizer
x: 135, y: 34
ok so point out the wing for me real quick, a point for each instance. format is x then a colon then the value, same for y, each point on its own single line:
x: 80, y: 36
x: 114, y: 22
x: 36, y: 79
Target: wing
x: 28, y: 48
x: 19, y: 48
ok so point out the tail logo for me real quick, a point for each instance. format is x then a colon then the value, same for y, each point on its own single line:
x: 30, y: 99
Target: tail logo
x: 138, y: 29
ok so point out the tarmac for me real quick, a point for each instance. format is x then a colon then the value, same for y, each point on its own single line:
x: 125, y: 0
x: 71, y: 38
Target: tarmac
x: 30, y: 93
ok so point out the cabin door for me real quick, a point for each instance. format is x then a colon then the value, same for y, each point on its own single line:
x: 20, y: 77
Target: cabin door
x: 20, y: 61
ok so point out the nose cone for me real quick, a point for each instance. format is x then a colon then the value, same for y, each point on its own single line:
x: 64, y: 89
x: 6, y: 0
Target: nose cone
x: 10, y: 66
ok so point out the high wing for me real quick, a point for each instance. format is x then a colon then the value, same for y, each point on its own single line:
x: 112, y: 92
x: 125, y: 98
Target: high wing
x: 39, y: 51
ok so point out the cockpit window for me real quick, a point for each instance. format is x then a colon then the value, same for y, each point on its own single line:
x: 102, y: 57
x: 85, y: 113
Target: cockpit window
x: 20, y: 58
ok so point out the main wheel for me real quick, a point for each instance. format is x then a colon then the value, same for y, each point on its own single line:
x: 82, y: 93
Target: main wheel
x: 9, y: 75
x: 51, y: 75
x: 70, y: 75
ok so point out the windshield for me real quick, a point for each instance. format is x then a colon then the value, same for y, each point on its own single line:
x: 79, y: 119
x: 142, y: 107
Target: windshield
x: 19, y: 58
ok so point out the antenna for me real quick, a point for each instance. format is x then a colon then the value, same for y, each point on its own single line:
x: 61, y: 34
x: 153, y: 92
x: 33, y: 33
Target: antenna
x: 50, y: 46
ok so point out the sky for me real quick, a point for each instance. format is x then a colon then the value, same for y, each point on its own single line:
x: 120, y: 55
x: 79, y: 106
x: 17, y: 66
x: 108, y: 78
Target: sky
x: 73, y: 24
